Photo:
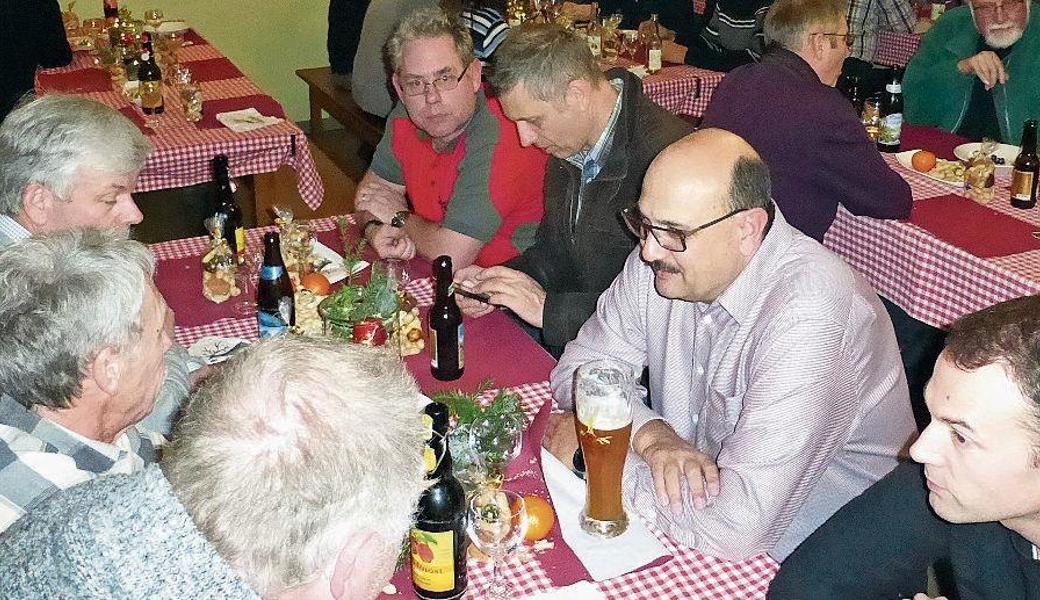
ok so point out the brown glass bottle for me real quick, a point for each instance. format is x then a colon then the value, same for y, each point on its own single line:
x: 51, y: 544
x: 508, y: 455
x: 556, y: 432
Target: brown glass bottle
x: 438, y: 539
x: 275, y: 309
x: 446, y: 336
x: 1025, y: 175
x: 150, y: 78
x: 227, y: 205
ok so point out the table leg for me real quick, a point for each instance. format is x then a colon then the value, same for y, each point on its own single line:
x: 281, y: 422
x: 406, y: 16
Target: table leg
x: 316, y: 128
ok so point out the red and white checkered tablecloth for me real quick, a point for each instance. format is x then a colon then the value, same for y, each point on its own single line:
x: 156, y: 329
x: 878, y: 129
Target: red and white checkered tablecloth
x: 932, y: 280
x: 682, y: 89
x: 896, y: 49
x: 183, y: 151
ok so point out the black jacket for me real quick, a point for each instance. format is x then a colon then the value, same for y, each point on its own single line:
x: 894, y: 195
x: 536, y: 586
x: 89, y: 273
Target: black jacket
x: 575, y: 266
x: 31, y: 35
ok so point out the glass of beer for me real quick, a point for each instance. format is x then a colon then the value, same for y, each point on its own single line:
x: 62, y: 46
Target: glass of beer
x: 603, y: 393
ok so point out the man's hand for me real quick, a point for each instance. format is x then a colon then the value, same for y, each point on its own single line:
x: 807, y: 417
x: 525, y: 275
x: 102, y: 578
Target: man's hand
x: 512, y: 289
x: 646, y: 29
x: 577, y: 12
x: 560, y: 439
x: 391, y: 242
x: 670, y: 459
x: 985, y: 65
x: 383, y: 202
x: 464, y: 278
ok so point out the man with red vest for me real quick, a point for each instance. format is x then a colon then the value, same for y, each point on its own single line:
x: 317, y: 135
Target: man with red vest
x: 475, y: 192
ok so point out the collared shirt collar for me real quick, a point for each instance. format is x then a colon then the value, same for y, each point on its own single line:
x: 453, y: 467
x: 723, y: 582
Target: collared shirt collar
x: 90, y: 455
x: 13, y: 229
x: 589, y: 160
x: 744, y: 293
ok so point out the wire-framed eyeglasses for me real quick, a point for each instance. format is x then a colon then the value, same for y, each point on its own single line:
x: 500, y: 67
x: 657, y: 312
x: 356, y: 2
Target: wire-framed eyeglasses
x: 669, y: 238
x: 420, y: 87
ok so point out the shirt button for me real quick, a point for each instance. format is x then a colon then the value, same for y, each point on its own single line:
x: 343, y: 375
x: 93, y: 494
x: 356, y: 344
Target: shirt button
x: 700, y: 370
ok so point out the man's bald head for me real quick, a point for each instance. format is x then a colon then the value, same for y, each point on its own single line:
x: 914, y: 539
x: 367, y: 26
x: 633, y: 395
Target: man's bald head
x: 709, y: 192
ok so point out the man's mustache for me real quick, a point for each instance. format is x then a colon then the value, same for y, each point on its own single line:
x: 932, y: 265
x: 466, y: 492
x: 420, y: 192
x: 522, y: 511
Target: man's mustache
x: 659, y: 265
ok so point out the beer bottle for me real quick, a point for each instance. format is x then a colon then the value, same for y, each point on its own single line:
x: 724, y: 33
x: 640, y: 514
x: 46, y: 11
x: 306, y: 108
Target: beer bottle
x: 890, y: 129
x: 595, y: 34
x: 275, y: 311
x: 131, y: 59
x: 653, y: 47
x: 234, y: 233
x: 438, y: 539
x: 446, y: 336
x: 1025, y: 176
x: 150, y: 78
x: 111, y: 8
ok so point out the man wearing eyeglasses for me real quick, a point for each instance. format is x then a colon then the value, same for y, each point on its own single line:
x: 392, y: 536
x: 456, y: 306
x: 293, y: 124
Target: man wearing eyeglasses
x: 777, y: 389
x: 977, y: 72
x: 475, y: 193
x: 786, y: 107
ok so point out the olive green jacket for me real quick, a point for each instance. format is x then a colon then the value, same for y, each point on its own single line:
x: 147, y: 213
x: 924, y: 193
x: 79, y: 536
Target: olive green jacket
x: 936, y: 93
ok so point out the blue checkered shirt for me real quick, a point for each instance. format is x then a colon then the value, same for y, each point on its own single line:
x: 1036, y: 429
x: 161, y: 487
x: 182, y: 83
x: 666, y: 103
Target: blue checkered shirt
x: 39, y: 457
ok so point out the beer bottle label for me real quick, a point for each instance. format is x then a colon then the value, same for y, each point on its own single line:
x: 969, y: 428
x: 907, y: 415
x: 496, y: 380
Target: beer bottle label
x: 462, y: 338
x: 1022, y: 185
x: 654, y: 60
x: 271, y: 272
x: 595, y: 45
x: 151, y: 94
x: 240, y: 240
x: 433, y: 348
x: 433, y: 560
x: 270, y: 323
x: 891, y: 129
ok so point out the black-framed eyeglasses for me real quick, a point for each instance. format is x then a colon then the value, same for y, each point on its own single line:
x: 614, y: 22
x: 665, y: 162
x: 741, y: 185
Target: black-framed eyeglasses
x: 444, y: 83
x: 669, y: 238
x: 991, y: 7
x: 850, y: 38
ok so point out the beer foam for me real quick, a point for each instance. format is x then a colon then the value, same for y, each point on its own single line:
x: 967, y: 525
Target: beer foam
x: 599, y: 412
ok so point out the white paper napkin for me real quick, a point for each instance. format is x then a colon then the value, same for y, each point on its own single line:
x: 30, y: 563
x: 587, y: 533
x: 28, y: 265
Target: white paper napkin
x: 246, y: 119
x: 583, y: 590
x: 638, y: 70
x: 603, y: 558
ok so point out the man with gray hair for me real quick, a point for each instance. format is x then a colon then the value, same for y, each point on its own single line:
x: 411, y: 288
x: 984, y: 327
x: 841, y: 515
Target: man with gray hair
x: 475, y: 192
x: 71, y: 163
x: 84, y: 333
x: 602, y: 133
x: 774, y: 373
x: 977, y: 72
x: 68, y: 163
x: 295, y: 472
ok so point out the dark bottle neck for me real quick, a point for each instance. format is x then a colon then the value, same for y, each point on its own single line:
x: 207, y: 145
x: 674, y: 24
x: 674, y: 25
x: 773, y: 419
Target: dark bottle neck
x: 1029, y: 137
x: 273, y: 251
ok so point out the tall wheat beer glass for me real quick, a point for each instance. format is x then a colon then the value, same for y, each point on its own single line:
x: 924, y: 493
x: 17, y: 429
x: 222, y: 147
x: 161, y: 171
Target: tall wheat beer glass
x: 603, y: 392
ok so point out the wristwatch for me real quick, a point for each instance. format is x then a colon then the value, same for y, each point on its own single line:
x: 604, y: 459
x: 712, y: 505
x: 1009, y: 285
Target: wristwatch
x: 399, y: 218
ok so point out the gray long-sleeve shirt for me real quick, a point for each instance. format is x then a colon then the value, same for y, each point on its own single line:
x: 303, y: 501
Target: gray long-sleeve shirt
x: 791, y: 381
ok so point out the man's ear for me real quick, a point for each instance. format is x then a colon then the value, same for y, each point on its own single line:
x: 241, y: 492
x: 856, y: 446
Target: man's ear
x: 752, y: 230
x: 397, y: 85
x: 106, y: 369
x: 476, y: 68
x: 37, y: 206
x: 578, y: 95
x: 358, y: 567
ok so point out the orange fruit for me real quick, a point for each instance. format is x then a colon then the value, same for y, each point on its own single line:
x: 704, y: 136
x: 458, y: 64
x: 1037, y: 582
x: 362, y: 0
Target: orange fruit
x: 317, y: 283
x: 540, y: 518
x: 923, y: 161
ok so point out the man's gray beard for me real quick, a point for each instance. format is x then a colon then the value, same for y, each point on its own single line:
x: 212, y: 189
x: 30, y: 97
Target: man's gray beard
x: 1004, y: 38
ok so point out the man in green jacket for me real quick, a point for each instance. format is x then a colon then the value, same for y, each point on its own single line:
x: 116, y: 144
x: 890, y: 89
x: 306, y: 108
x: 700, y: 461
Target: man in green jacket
x: 977, y: 72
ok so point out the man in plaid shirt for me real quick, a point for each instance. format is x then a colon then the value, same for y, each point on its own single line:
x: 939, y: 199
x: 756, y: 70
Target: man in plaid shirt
x: 84, y: 331
x: 867, y: 20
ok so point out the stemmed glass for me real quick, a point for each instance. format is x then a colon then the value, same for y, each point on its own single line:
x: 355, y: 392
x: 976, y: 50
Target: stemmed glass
x: 497, y: 525
x: 495, y: 443
x: 246, y: 277
x: 153, y: 17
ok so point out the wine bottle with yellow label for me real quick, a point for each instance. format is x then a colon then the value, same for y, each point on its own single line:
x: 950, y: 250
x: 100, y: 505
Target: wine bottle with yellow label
x: 438, y: 539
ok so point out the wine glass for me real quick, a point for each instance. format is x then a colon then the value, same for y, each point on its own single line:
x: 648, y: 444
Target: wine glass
x: 246, y: 278
x: 153, y: 17
x: 497, y: 525
x: 495, y: 443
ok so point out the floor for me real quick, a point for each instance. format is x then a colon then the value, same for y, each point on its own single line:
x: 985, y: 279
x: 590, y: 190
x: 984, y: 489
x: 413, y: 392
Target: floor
x: 177, y: 213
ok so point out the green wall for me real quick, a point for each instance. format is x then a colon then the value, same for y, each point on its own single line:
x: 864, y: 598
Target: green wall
x: 267, y: 39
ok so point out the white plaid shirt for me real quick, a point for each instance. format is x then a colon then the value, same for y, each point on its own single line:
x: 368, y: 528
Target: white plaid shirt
x: 39, y: 457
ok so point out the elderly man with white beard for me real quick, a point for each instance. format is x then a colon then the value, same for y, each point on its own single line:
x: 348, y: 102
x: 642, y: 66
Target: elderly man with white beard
x: 977, y: 72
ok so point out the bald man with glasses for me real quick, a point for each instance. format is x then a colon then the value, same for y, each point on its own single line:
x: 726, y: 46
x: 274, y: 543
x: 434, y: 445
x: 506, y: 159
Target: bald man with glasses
x: 777, y: 390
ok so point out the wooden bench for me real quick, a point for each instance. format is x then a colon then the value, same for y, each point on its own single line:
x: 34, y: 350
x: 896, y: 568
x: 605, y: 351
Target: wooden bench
x: 339, y: 103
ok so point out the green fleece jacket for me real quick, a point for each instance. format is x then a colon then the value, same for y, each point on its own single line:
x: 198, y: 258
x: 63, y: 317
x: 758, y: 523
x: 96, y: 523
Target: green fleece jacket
x: 936, y: 93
